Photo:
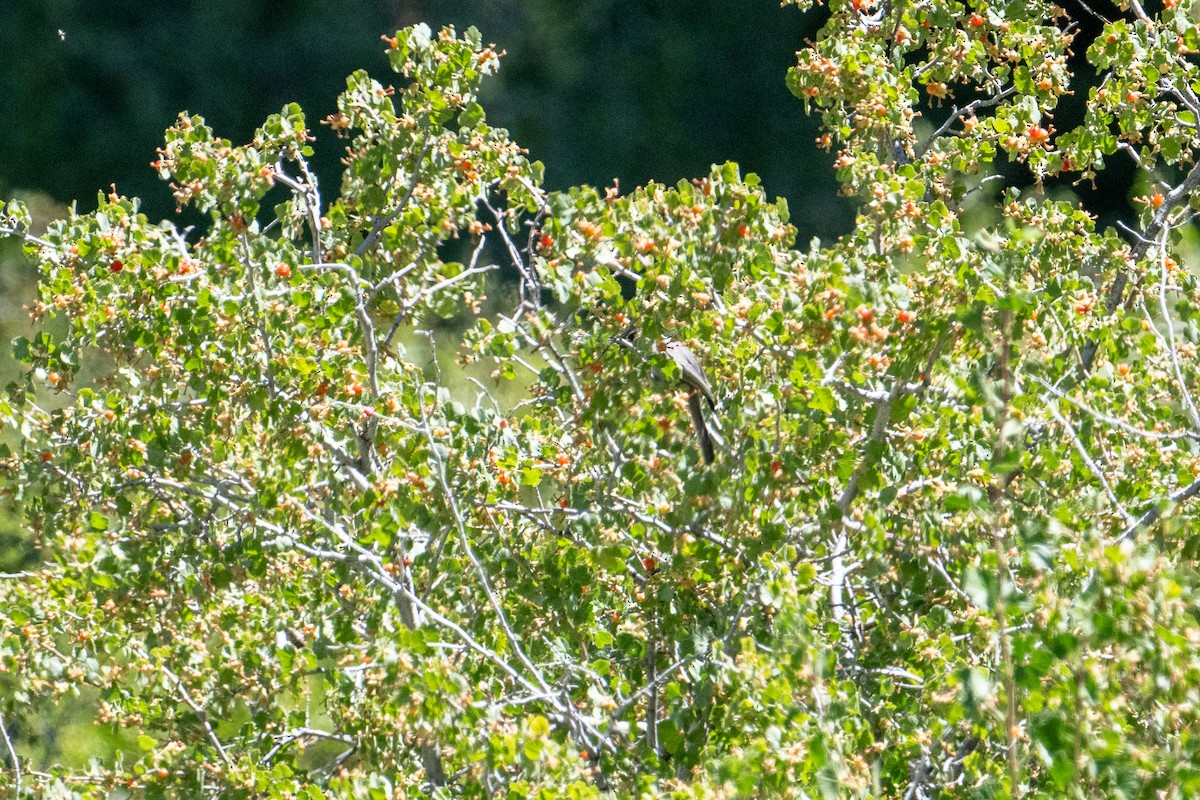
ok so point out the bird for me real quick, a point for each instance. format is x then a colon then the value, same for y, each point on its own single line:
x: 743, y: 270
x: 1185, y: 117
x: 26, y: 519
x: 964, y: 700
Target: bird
x: 691, y: 372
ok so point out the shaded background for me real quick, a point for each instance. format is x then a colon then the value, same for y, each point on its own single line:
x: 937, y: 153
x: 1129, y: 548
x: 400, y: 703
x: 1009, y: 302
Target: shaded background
x: 632, y: 90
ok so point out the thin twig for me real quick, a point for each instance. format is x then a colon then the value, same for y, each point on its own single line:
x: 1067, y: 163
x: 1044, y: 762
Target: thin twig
x: 1158, y: 223
x: 12, y: 752
x: 1114, y: 421
x: 383, y: 220
x: 187, y: 698
x: 1152, y: 516
x: 1087, y: 459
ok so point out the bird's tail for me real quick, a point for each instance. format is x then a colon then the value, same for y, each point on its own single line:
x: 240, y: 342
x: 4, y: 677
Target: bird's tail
x: 702, y: 433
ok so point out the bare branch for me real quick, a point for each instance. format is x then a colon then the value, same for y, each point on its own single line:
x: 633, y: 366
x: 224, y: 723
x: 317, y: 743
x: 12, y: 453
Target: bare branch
x: 12, y: 753
x: 1111, y: 420
x: 957, y: 114
x: 1153, y: 515
x: 187, y: 698
x: 1092, y: 466
x: 1158, y: 224
x: 383, y: 220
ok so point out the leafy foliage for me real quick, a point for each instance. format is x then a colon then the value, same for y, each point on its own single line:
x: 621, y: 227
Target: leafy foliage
x: 944, y: 549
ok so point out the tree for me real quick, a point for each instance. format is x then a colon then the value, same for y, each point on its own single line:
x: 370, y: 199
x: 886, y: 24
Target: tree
x: 943, y: 549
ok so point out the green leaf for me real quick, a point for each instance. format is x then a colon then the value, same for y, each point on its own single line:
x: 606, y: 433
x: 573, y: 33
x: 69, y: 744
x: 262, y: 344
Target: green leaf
x: 670, y: 738
x: 471, y: 115
x: 822, y: 400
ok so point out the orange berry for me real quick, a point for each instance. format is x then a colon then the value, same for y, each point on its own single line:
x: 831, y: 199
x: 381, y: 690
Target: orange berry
x: 588, y: 229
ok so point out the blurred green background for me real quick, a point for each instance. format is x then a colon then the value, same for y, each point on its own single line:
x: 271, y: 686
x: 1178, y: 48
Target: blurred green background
x: 611, y: 89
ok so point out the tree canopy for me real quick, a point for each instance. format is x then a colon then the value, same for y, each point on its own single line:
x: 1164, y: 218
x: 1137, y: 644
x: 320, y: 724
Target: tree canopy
x: 393, y: 490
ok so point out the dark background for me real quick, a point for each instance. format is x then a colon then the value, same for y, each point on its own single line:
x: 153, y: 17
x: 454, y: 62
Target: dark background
x: 634, y: 90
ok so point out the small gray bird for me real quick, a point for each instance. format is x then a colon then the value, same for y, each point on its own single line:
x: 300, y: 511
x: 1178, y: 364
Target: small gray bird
x: 691, y: 372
